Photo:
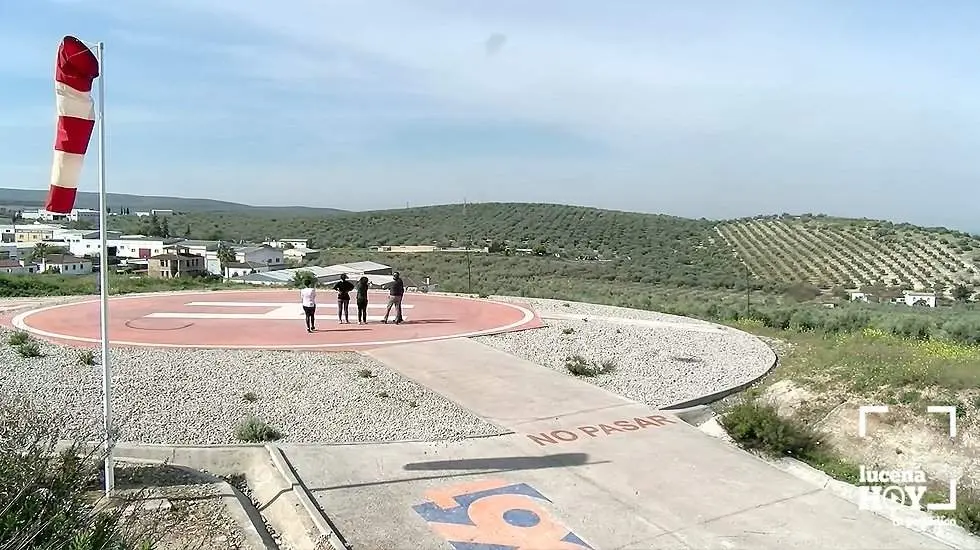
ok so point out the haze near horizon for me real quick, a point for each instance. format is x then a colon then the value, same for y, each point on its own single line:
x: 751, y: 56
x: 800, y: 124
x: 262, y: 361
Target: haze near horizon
x: 705, y: 110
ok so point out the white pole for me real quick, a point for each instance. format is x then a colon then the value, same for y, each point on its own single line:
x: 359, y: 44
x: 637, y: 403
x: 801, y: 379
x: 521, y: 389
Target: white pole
x: 110, y: 481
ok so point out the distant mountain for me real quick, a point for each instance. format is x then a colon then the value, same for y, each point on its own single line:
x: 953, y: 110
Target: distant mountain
x: 32, y: 198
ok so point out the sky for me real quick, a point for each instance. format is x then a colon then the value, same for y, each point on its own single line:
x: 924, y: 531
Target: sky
x: 710, y: 109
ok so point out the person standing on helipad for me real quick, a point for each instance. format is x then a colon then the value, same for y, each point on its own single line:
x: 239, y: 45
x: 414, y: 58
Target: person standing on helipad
x: 395, y: 293
x: 343, y: 288
x: 363, y: 284
x: 308, y: 299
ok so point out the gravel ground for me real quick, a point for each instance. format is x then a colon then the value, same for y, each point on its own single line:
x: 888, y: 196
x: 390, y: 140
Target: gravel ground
x: 197, y: 397
x: 195, y: 515
x: 659, y: 359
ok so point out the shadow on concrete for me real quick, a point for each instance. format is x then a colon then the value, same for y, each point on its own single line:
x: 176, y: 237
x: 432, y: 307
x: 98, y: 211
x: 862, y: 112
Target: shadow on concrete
x: 428, y: 321
x: 564, y: 460
x: 483, y: 465
x: 341, y: 329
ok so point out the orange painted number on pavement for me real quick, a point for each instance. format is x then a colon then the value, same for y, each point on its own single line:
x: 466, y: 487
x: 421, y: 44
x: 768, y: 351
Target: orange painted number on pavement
x: 496, y: 513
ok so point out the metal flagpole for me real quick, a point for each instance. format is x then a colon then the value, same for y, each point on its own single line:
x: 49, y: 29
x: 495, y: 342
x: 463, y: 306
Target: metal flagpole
x: 110, y: 481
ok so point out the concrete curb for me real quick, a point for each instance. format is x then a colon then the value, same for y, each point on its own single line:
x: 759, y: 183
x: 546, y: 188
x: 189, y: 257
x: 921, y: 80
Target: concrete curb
x: 319, y: 519
x: 914, y: 520
x: 282, y: 500
x: 721, y: 394
x: 918, y: 521
x: 232, y: 498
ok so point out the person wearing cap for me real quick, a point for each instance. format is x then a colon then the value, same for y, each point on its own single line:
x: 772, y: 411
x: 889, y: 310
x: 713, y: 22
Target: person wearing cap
x: 343, y: 288
x: 396, y: 290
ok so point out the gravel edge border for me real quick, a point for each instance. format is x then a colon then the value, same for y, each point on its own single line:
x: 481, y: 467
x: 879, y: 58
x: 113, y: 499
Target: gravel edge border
x: 721, y: 394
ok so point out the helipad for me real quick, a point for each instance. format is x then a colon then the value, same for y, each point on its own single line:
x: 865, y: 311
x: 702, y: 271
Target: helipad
x: 262, y: 319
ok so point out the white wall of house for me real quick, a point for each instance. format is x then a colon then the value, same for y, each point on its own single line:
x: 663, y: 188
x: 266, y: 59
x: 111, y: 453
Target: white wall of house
x: 260, y: 255
x: 911, y: 298
x: 238, y: 271
x: 282, y: 243
x: 16, y: 269
x: 125, y: 248
x: 82, y: 267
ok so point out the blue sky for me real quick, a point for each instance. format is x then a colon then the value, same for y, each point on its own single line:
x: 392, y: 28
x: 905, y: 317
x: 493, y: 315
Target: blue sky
x: 702, y: 109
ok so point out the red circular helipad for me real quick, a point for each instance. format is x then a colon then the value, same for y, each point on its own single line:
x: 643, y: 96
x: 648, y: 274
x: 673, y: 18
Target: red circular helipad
x: 262, y: 319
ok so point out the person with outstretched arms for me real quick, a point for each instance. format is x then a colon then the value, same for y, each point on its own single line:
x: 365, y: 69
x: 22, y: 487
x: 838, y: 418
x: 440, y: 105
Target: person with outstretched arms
x: 396, y: 290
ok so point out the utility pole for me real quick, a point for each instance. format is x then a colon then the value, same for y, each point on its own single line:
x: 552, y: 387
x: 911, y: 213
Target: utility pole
x: 748, y: 291
x: 469, y: 272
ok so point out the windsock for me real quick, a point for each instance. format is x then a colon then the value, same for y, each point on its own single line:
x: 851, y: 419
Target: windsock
x: 76, y: 69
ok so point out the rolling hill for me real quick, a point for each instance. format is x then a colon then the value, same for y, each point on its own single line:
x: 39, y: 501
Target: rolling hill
x: 641, y: 248
x: 31, y: 198
x: 829, y: 251
x: 635, y: 248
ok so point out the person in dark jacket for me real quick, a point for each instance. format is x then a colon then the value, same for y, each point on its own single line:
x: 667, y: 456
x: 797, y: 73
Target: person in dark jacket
x: 396, y: 290
x: 343, y: 288
x: 362, y: 299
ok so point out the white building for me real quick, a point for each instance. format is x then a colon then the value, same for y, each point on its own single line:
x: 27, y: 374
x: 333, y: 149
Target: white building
x: 66, y: 264
x: 297, y: 253
x: 263, y: 254
x: 377, y: 274
x: 911, y: 298
x: 15, y: 267
x: 76, y: 215
x: 286, y: 243
x: 91, y: 217
x: 122, y: 246
x: 209, y: 250
x: 240, y: 269
x: 156, y: 212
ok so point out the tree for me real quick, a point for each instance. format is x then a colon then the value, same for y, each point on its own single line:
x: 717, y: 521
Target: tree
x: 153, y: 228
x: 80, y: 224
x: 961, y: 293
x: 40, y: 251
x: 226, y: 255
x: 127, y: 210
x: 164, y: 228
x: 187, y: 232
x: 302, y: 278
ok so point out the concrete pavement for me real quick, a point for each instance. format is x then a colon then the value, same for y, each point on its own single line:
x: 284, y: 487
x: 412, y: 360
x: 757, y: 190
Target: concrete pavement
x: 584, y: 468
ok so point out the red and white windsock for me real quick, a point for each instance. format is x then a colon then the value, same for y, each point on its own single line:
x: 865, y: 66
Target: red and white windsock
x: 75, y: 71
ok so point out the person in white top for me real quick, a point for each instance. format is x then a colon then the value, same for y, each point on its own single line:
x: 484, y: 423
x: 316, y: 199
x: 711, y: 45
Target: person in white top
x: 308, y: 297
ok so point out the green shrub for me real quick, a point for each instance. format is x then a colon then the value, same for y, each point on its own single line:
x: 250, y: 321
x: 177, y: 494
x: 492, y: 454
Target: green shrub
x: 18, y: 338
x: 967, y: 513
x: 255, y: 430
x: 756, y: 425
x: 29, y: 349
x: 86, y: 357
x: 580, y: 366
x: 46, y: 494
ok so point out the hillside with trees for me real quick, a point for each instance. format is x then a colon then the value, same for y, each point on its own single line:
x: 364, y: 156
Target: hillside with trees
x: 813, y: 254
x: 608, y: 245
x: 830, y: 252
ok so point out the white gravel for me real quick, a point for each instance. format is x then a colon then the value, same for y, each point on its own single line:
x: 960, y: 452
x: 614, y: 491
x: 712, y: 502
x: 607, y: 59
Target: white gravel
x: 183, y: 396
x: 660, y: 359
